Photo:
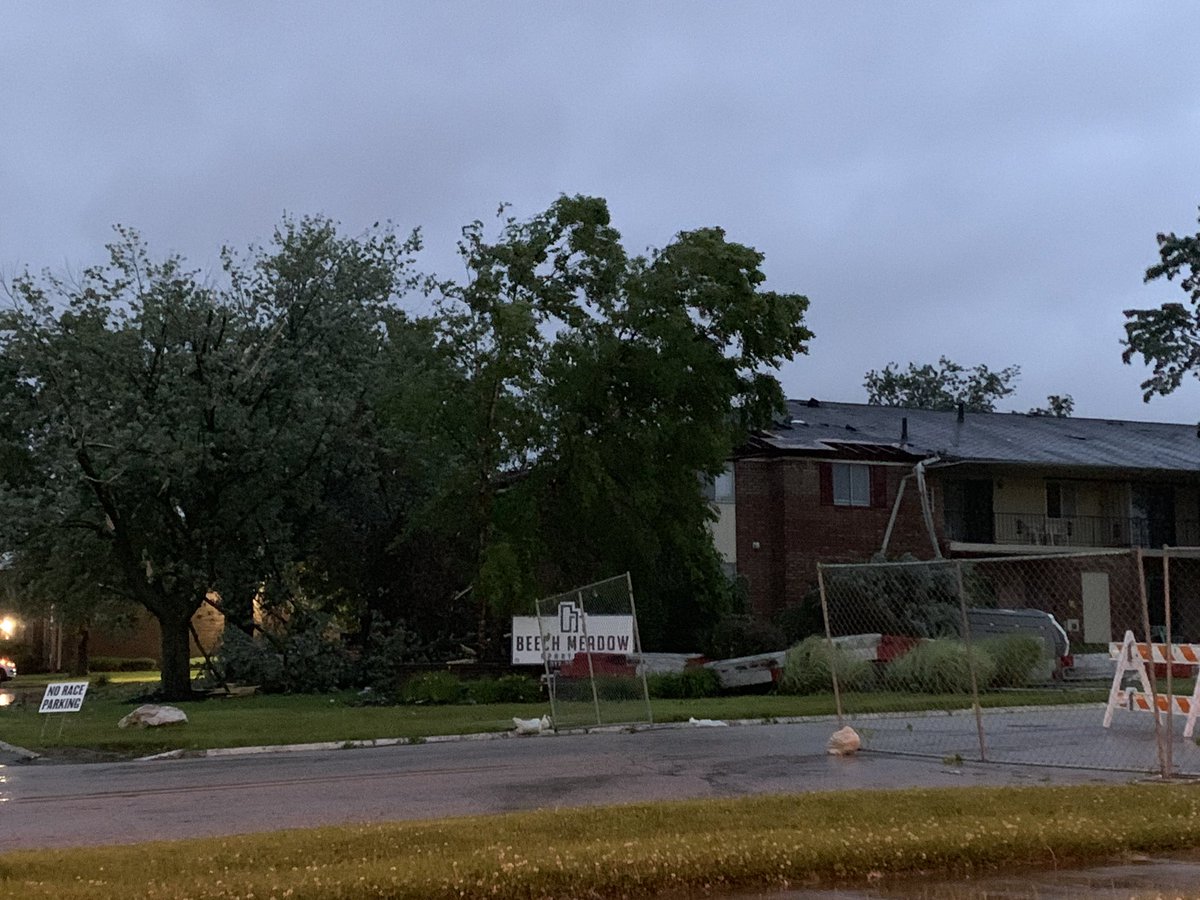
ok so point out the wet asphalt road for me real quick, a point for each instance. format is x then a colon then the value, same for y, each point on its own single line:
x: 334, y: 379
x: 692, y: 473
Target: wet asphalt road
x: 61, y: 805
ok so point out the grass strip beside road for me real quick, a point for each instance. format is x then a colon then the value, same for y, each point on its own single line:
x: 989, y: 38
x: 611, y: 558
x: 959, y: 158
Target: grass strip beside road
x: 642, y: 850
x: 316, y: 718
x: 244, y: 722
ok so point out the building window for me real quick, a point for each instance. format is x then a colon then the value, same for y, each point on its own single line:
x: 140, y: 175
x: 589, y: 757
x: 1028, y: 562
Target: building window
x: 1061, y: 500
x: 718, y: 489
x: 723, y: 487
x: 851, y: 485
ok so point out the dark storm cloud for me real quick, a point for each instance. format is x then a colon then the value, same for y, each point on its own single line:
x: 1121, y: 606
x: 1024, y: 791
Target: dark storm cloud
x: 977, y: 180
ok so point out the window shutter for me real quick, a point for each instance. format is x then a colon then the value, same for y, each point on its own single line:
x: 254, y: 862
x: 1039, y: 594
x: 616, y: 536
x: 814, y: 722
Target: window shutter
x: 878, y: 486
x: 826, y: 475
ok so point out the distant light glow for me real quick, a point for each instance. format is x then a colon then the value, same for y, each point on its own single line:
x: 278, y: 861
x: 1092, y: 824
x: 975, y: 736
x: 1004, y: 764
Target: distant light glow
x: 8, y: 625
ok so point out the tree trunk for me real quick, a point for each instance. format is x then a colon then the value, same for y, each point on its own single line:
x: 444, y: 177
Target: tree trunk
x: 82, y: 664
x: 176, y: 657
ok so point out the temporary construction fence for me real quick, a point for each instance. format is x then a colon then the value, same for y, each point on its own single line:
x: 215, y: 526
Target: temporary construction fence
x: 1077, y: 659
x: 590, y: 647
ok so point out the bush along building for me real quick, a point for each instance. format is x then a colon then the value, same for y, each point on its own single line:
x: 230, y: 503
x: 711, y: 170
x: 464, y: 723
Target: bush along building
x: 843, y: 482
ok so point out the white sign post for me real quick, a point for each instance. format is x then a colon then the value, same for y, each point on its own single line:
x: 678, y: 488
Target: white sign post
x: 62, y: 697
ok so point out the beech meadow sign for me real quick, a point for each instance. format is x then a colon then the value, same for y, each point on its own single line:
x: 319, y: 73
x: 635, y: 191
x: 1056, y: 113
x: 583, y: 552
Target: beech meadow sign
x: 557, y: 639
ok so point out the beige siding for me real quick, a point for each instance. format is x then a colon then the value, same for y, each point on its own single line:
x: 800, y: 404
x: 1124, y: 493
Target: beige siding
x: 1100, y: 515
x: 724, y: 531
x: 722, y: 499
x: 1091, y: 498
x: 1019, y: 495
x: 1027, y: 496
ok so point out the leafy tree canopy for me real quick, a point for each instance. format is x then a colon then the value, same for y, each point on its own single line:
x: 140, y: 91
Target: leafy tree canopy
x: 285, y: 433
x: 1058, y: 406
x: 942, y: 386
x: 179, y: 438
x: 1168, y: 337
x: 595, y: 386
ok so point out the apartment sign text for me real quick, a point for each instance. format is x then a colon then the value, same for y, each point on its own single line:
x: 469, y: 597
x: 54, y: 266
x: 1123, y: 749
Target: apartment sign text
x: 558, y: 638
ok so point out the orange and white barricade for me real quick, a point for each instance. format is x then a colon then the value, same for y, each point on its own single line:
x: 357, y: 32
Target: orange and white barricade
x: 1134, y: 657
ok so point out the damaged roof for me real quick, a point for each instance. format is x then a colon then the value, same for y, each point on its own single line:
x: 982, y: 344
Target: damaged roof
x: 892, y: 432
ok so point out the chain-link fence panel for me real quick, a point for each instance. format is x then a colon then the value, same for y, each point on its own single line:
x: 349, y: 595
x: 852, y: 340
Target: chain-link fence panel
x: 591, y: 650
x: 1162, y: 672
x: 1006, y: 659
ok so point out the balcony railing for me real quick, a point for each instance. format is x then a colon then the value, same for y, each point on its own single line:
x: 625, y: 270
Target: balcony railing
x: 1076, y: 531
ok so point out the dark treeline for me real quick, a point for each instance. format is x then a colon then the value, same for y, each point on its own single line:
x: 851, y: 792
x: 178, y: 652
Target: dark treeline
x: 287, y: 435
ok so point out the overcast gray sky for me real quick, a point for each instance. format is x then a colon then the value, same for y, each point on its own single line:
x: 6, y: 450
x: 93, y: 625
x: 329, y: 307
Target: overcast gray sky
x: 979, y: 180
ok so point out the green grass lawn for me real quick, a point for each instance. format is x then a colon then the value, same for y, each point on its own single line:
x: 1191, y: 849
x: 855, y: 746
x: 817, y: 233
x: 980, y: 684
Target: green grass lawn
x: 695, y: 848
x: 242, y: 721
x: 309, y: 718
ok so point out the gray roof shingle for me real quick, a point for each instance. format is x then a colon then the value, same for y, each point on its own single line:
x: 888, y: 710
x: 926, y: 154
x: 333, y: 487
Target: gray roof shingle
x: 1013, y: 438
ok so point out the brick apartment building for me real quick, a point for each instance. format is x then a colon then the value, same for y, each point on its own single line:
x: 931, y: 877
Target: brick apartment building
x: 825, y: 484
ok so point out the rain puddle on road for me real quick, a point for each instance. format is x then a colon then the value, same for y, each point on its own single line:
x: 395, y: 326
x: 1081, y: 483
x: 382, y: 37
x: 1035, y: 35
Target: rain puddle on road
x: 1177, y: 875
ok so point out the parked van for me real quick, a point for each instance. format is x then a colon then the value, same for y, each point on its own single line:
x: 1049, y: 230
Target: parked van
x: 1035, y: 623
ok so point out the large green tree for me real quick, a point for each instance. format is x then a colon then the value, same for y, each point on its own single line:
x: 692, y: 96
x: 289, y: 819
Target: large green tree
x: 285, y: 432
x: 1058, y: 406
x: 396, y: 535
x: 942, y: 386
x: 1167, y: 337
x: 181, y: 438
x: 947, y: 385
x: 614, y: 380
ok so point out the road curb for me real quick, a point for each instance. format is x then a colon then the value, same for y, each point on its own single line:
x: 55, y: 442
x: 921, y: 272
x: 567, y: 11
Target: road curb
x: 509, y: 735
x: 19, y: 752
x: 459, y: 738
x: 218, y: 752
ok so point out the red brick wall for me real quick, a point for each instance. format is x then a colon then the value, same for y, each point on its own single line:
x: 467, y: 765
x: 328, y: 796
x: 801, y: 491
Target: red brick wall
x: 784, y: 530
x: 1185, y: 600
x: 1055, y: 585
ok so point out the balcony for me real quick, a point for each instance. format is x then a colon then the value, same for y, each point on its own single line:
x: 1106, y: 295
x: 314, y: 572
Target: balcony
x: 1029, y: 529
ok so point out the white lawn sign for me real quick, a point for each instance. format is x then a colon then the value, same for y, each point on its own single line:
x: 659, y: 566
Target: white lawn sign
x: 62, y: 697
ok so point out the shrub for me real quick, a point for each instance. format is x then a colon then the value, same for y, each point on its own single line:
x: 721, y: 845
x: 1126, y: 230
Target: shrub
x: 306, y: 656
x: 689, y: 684
x: 921, y: 601
x: 391, y: 649
x: 608, y: 687
x: 741, y: 635
x: 800, y: 620
x: 435, y: 688
x: 1017, y: 657
x: 28, y: 660
x: 121, y: 664
x: 315, y: 659
x: 941, y: 666
x: 505, y: 689
x: 248, y: 660
x: 665, y: 685
x: 808, y: 668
